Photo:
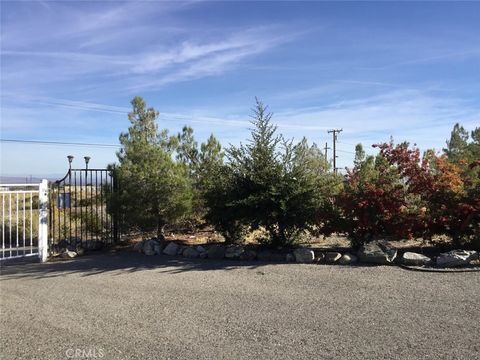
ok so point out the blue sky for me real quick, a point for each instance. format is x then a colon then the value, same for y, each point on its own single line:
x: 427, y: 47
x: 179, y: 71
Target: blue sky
x: 69, y: 70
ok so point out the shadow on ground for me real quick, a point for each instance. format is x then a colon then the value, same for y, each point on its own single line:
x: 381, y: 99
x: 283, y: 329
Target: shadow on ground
x: 118, y: 262
x: 122, y: 261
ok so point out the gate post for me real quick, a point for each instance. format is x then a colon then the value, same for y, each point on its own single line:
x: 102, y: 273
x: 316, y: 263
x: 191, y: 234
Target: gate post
x: 42, y: 221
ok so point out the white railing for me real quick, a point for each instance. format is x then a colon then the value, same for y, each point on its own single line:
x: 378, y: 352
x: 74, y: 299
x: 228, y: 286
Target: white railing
x: 24, y: 212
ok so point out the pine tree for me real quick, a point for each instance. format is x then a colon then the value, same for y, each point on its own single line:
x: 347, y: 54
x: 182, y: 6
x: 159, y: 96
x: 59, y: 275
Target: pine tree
x: 201, y: 162
x: 457, y: 146
x: 474, y: 145
x: 154, y: 189
x: 269, y: 183
x: 359, y: 155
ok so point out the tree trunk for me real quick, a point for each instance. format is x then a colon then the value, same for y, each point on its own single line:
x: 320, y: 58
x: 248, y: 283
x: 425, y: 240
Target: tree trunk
x: 160, y: 231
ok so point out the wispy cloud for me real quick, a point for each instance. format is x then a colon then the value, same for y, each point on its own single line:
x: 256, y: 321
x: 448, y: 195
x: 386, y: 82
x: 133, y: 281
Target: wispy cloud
x: 94, y: 42
x: 207, y: 59
x: 187, y: 61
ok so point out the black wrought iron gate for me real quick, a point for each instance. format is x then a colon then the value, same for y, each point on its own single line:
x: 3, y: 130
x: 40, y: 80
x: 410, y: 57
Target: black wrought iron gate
x: 79, y: 212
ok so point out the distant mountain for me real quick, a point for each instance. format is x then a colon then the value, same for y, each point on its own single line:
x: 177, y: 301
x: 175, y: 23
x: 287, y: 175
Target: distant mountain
x: 25, y: 179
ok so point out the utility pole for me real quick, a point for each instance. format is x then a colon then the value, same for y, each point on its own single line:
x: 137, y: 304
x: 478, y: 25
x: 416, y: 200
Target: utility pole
x: 335, y: 133
x: 326, y: 149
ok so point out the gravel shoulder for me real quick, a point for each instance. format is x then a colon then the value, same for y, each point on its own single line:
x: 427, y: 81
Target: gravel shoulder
x: 130, y: 306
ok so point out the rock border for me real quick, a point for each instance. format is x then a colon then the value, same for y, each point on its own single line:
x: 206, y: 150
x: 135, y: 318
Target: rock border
x: 374, y: 253
x: 73, y: 247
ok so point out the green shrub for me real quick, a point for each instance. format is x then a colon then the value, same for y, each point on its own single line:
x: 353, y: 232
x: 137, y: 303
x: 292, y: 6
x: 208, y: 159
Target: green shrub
x: 269, y: 183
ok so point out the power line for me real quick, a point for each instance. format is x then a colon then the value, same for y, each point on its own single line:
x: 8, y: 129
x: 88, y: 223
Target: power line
x: 44, y: 142
x: 346, y: 143
x: 63, y: 143
x: 345, y: 151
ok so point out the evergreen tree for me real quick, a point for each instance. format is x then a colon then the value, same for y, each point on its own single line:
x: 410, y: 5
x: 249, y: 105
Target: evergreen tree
x: 474, y: 145
x: 464, y: 152
x: 154, y: 190
x: 457, y: 146
x: 359, y: 155
x: 268, y: 183
x: 201, y: 162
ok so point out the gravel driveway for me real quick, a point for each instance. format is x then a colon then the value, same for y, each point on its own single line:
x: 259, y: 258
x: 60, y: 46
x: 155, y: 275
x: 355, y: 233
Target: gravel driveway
x: 129, y: 306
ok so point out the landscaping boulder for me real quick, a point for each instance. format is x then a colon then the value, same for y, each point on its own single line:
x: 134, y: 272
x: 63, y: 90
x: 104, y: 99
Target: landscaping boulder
x: 73, y: 243
x: 190, y: 253
x: 304, y: 255
x: 180, y: 249
x: 171, y: 249
x: 415, y: 259
x: 62, y: 245
x: 148, y: 251
x: 347, y: 259
x: 202, y: 252
x: 456, y: 258
x: 216, y: 252
x: 158, y: 247
x: 69, y: 254
x: 75, y: 240
x: 248, y: 255
x: 234, y: 251
x: 290, y: 257
x: 377, y: 253
x: 56, y: 251
x: 200, y: 249
x: 80, y: 250
x: 149, y: 247
x: 332, y: 257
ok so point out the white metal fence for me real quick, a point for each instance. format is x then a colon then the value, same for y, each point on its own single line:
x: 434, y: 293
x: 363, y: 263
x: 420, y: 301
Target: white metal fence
x: 24, y: 220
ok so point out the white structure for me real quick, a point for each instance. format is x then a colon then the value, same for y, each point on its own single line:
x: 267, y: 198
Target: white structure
x: 24, y: 211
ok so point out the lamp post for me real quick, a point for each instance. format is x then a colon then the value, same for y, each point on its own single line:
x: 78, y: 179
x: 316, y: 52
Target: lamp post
x: 70, y: 159
x: 87, y: 159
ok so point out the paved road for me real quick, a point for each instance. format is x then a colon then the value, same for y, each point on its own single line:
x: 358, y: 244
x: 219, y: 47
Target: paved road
x: 129, y: 306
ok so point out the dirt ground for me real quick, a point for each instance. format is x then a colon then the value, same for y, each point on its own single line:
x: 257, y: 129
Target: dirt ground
x: 335, y: 241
